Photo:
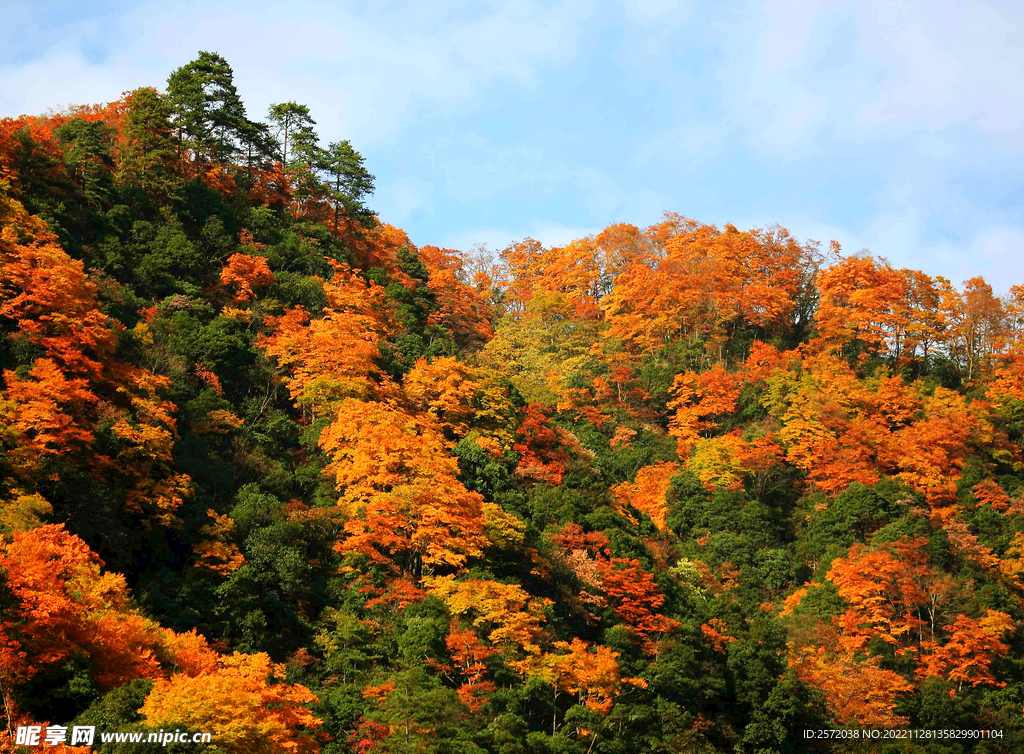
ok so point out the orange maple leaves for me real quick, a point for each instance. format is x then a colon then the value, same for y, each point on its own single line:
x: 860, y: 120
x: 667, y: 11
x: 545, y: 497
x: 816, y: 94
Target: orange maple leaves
x: 461, y: 308
x: 243, y: 702
x: 619, y: 583
x: 824, y: 420
x: 698, y: 398
x: 868, y: 307
x: 541, y: 456
x: 446, y: 388
x: 857, y: 691
x: 64, y: 604
x: 883, y: 588
x: 400, y: 489
x: 647, y: 492
x: 634, y: 596
x: 76, y: 384
x: 49, y: 296
x: 332, y: 357
x: 970, y: 648
x: 247, y: 273
x: 865, y: 301
x: 217, y: 552
x: 48, y: 411
x: 513, y: 623
x: 468, y: 654
x: 696, y: 281
x: 592, y: 673
x: 511, y: 617
x: 893, y: 595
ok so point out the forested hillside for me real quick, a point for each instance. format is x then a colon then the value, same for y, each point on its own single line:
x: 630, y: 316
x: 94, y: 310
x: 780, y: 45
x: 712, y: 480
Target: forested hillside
x: 271, y: 471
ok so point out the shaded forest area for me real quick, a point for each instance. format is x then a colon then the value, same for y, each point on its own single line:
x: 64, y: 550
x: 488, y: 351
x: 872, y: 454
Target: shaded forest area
x: 273, y: 472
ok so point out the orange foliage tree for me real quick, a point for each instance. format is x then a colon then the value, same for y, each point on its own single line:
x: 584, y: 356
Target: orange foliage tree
x: 61, y: 604
x: 621, y: 584
x: 698, y: 283
x: 244, y: 704
x: 646, y: 493
x: 975, y: 326
x: 510, y: 617
x: 697, y: 398
x: 726, y: 461
x: 633, y: 594
x: 461, y: 308
x: 468, y: 654
x: 76, y: 384
x: 892, y: 594
x: 884, y: 589
x: 65, y: 605
x: 247, y: 273
x: 216, y: 551
x: 445, y: 387
x: 593, y: 676
x: 49, y: 296
x: 828, y: 422
x: 930, y: 453
x: 857, y: 691
x: 541, y: 456
x: 967, y: 654
x: 401, y: 496
x: 327, y: 359
x: 862, y: 303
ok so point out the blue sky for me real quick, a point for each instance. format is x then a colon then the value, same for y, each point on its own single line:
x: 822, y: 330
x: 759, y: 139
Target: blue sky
x: 892, y: 126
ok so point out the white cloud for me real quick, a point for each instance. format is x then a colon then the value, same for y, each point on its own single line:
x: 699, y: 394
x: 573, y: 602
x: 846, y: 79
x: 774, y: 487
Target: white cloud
x: 948, y: 63
x: 551, y: 234
x: 404, y: 199
x: 657, y: 12
x: 1001, y: 244
x: 903, y: 239
x: 913, y: 105
x: 691, y: 143
x: 364, y: 76
x: 496, y: 239
x: 853, y: 71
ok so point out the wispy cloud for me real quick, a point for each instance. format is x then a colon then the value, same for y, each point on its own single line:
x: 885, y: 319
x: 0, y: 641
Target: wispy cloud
x: 896, y: 126
x: 366, y: 73
x: 496, y: 239
x: 859, y: 71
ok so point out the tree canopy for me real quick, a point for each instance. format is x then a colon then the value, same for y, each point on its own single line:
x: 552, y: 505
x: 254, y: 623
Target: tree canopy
x: 272, y: 471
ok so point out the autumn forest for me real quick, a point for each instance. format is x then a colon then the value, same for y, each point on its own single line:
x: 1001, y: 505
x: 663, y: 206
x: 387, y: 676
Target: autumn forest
x: 272, y: 471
